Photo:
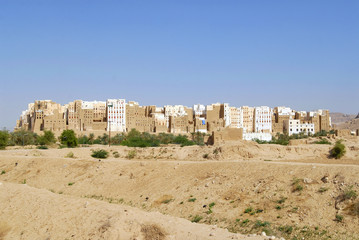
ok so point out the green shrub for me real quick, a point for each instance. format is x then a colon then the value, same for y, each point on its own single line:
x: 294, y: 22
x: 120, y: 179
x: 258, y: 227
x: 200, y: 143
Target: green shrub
x: 323, y: 189
x: 68, y: 138
x: 22, y: 138
x: 42, y: 147
x: 70, y: 183
x: 323, y: 141
x: 259, y: 223
x: 248, y: 210
x: 286, y: 229
x: 131, y: 154
x: 339, y: 218
x: 4, y: 138
x: 205, y: 155
x: 338, y: 150
x: 70, y: 155
x: 192, y: 199
x: 99, y: 153
x: 349, y: 193
x: 116, y: 154
x: 196, y: 219
x: 47, y: 138
x: 3, y: 172
x: 296, y: 185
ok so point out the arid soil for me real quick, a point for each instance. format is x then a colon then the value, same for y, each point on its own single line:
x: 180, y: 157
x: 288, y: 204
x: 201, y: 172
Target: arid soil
x: 293, y: 192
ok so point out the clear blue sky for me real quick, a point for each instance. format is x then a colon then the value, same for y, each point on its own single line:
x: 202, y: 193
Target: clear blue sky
x: 303, y: 54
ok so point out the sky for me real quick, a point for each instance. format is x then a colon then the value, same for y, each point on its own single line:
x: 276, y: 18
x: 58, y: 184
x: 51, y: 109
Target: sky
x: 303, y: 54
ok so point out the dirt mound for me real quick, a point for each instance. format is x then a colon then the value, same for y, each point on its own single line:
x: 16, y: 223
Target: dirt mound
x: 40, y: 214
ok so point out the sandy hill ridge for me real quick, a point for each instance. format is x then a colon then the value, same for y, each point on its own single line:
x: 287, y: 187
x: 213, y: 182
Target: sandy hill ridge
x: 41, y: 214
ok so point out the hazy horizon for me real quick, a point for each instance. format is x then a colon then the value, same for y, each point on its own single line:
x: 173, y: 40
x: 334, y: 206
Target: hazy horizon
x: 304, y: 55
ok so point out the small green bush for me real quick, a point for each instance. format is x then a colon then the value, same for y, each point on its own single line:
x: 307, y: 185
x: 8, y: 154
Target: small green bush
x: 3, y: 172
x: 192, y: 200
x: 70, y: 155
x: 99, y: 153
x: 248, y: 210
x: 259, y: 223
x: 42, y: 147
x: 286, y: 229
x: 338, y: 150
x: 323, y: 189
x: 296, y: 185
x: 196, y: 219
x: 349, y: 193
x: 339, y: 218
x: 70, y: 183
x: 131, y: 154
x: 323, y: 141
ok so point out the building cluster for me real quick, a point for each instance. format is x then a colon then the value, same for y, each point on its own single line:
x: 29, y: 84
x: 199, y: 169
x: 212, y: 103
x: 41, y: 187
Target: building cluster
x: 117, y: 115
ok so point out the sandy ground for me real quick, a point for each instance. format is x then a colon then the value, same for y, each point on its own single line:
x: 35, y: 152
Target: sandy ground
x: 31, y: 213
x: 251, y: 188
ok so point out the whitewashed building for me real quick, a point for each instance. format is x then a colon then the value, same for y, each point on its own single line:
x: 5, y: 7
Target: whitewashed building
x: 294, y: 126
x: 263, y: 119
x: 175, y: 111
x: 199, y: 110
x: 116, y: 115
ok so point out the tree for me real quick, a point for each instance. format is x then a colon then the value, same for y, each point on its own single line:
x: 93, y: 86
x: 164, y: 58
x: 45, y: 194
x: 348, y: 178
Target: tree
x: 22, y: 138
x: 47, y: 138
x: 68, y: 138
x: 4, y: 137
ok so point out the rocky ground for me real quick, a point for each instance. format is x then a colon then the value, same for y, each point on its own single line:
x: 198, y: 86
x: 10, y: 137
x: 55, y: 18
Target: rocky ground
x: 294, y: 192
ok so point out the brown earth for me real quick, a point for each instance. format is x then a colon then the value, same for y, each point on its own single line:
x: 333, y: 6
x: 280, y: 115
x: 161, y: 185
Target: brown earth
x: 290, y: 191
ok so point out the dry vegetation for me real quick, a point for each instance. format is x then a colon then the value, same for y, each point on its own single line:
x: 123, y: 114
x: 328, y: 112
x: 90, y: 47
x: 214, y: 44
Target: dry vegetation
x: 293, y: 191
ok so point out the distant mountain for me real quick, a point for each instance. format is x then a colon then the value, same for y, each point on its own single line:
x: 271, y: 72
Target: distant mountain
x: 352, y: 124
x: 338, y: 118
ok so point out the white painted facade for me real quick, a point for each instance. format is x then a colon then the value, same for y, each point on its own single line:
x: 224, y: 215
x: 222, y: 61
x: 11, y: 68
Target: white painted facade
x: 260, y: 136
x: 227, y: 115
x: 174, y: 110
x: 294, y: 126
x: 116, y: 115
x: 199, y: 110
x: 285, y: 111
x: 263, y: 119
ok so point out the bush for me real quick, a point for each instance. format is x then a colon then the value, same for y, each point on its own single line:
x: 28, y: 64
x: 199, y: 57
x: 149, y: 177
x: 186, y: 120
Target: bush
x: 131, y: 154
x: 47, y: 138
x: 323, y: 141
x: 339, y: 218
x: 297, y: 187
x: 286, y: 229
x: 349, y: 193
x: 136, y: 139
x: 99, y: 153
x: 70, y: 155
x: 68, y: 138
x: 4, y: 138
x: 338, y: 150
x: 22, y: 138
x: 192, y: 199
x: 196, y: 219
x: 42, y: 147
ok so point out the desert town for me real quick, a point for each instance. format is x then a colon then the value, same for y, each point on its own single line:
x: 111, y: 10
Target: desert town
x: 117, y: 115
